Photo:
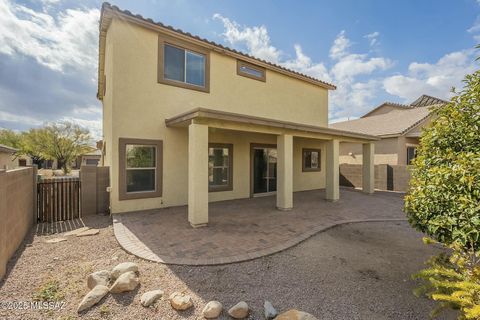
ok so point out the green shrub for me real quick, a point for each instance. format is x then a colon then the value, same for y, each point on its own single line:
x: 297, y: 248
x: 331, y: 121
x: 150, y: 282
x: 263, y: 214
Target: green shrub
x: 444, y: 196
x: 452, y: 279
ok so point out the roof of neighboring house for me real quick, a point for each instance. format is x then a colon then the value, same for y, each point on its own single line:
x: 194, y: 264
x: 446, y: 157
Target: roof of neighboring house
x: 426, y: 100
x: 109, y: 11
x: 96, y: 152
x: 7, y: 149
x: 394, y: 123
x: 423, y: 101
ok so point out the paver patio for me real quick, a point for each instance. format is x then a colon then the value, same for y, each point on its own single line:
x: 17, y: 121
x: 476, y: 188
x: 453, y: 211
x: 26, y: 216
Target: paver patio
x: 246, y: 229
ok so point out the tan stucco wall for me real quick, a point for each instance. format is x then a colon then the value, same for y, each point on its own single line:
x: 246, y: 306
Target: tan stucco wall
x: 17, y: 209
x: 135, y: 106
x: 392, y: 151
x: 8, y: 161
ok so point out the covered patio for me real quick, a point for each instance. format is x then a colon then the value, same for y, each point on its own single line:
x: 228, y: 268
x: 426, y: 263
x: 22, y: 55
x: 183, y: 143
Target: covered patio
x: 246, y: 229
x: 199, y: 123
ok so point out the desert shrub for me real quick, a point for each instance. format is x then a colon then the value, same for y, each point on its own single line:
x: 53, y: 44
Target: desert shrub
x: 443, y: 201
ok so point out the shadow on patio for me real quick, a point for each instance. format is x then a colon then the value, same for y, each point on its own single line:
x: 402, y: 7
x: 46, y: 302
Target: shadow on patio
x: 246, y: 229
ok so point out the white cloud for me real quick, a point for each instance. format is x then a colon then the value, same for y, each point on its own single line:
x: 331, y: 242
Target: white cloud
x: 351, y: 95
x: 16, y: 118
x: 255, y: 39
x: 432, y: 78
x: 95, y: 126
x: 372, y: 38
x: 68, y: 40
x: 340, y: 46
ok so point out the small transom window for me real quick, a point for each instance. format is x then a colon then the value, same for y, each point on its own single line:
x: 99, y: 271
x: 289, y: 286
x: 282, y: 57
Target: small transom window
x: 251, y: 71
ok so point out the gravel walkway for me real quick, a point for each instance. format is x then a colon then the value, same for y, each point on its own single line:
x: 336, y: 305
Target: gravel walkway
x: 357, y: 271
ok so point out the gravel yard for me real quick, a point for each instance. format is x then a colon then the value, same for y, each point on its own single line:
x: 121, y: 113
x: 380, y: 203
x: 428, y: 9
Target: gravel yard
x: 358, y: 271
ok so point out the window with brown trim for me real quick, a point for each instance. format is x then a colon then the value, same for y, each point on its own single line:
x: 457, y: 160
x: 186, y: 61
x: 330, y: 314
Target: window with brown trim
x: 140, y: 165
x: 220, y: 167
x: 251, y: 71
x: 183, y: 64
x: 311, y: 160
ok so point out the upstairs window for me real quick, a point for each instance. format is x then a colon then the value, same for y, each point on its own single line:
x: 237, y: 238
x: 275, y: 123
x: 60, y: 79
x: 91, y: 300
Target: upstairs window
x: 311, y: 160
x: 250, y: 71
x: 183, y: 64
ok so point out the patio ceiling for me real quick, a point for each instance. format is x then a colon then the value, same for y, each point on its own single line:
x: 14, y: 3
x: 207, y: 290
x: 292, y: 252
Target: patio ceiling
x: 243, y: 122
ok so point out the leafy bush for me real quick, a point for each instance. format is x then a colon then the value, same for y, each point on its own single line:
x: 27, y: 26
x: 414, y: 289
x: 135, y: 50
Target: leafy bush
x: 444, y: 195
x: 453, y: 280
x: 444, y: 201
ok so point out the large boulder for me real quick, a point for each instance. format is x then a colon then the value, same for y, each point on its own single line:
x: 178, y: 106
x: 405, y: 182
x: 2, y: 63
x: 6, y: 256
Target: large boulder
x: 295, y: 315
x: 149, y: 298
x: 127, y: 281
x: 239, y: 311
x: 269, y: 310
x: 180, y: 301
x: 92, y: 297
x: 98, y: 278
x: 122, y: 268
x: 212, y: 310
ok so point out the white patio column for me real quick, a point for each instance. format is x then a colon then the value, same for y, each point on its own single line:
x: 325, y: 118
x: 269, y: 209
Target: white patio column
x: 285, y: 172
x: 368, y: 168
x: 332, y: 191
x: 198, y: 175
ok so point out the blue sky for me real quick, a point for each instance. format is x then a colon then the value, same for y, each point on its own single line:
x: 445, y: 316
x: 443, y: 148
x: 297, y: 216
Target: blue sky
x: 373, y: 50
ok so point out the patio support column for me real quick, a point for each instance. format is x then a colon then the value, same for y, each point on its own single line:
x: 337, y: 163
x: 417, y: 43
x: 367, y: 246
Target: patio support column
x: 285, y: 172
x: 332, y: 191
x: 368, y: 169
x: 198, y: 175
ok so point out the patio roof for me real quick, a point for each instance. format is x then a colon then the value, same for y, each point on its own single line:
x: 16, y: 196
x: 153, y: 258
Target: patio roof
x: 209, y: 114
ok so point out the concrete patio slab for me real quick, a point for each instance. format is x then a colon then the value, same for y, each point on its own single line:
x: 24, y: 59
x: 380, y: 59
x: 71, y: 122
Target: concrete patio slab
x: 246, y: 229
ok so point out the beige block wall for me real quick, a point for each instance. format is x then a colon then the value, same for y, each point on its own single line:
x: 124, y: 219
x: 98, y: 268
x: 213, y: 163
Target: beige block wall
x: 386, y: 152
x: 135, y: 106
x: 17, y: 209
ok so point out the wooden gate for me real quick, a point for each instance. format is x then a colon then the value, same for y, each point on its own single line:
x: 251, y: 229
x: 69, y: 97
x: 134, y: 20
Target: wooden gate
x: 58, y: 199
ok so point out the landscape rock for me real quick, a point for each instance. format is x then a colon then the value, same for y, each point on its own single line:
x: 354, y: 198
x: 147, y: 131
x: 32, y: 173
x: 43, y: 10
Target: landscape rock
x: 56, y: 240
x: 270, y: 311
x: 122, y: 268
x: 126, y: 282
x: 89, y: 232
x: 295, y: 315
x: 180, y: 301
x: 149, y: 298
x: 212, y: 310
x: 239, y: 311
x: 92, y: 297
x: 98, y: 278
x: 76, y: 231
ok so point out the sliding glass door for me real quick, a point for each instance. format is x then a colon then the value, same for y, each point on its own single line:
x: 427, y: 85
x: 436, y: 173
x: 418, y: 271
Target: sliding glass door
x: 264, y: 170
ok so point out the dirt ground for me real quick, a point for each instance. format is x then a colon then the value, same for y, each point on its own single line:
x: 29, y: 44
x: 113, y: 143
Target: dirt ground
x: 358, y: 271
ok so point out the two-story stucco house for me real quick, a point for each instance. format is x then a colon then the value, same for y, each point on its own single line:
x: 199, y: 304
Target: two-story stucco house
x: 187, y: 121
x: 397, y: 125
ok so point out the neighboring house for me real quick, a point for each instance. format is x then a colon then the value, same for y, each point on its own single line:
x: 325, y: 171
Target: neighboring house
x: 7, y: 157
x: 399, y: 127
x: 91, y: 158
x: 9, y: 160
x: 187, y: 121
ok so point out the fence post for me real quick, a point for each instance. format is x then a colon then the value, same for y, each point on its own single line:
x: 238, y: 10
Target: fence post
x: 88, y: 182
x: 3, y: 225
x: 35, y: 193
